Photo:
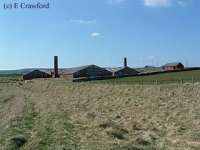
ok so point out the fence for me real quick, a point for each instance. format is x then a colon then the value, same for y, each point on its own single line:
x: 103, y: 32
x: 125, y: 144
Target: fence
x: 148, y: 82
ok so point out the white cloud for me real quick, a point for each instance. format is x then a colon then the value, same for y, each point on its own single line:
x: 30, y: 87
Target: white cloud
x: 153, y: 3
x: 116, y: 1
x: 151, y: 57
x: 164, y: 3
x: 181, y: 3
x: 95, y: 34
x: 157, y: 3
x: 82, y: 21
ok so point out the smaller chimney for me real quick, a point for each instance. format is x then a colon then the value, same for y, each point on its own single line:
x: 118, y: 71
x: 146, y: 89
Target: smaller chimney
x: 125, y: 62
x: 56, y: 67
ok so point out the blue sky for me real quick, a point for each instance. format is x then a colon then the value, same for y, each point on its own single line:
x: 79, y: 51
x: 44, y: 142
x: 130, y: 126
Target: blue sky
x: 102, y: 32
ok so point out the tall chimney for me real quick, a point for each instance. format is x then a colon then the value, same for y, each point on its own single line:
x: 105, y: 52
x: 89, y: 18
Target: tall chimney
x: 125, y: 62
x: 56, y: 67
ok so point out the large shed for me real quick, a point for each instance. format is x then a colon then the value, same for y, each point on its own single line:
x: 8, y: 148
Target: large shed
x: 173, y: 66
x: 36, y: 74
x: 123, y: 71
x: 88, y: 71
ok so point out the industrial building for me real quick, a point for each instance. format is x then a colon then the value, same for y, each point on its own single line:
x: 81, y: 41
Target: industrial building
x: 89, y: 71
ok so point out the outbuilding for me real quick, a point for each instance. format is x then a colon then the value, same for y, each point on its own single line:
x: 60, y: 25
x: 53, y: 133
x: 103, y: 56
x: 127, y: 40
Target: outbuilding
x: 36, y: 74
x: 173, y: 66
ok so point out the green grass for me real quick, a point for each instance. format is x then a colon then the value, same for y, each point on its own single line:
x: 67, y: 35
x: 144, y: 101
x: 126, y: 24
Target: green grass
x: 42, y: 129
x: 10, y: 78
x: 47, y: 136
x: 173, y: 77
x: 21, y: 125
x: 10, y: 75
x: 149, y: 69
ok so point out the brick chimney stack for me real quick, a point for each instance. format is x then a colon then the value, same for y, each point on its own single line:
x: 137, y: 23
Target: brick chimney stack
x: 56, y: 67
x: 125, y: 62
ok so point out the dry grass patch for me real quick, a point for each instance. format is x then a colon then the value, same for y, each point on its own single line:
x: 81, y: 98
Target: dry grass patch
x: 56, y: 114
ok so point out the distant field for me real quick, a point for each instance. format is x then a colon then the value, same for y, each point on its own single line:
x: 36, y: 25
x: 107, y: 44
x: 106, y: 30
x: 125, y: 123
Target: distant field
x: 10, y: 75
x: 173, y: 77
x: 10, y: 78
x: 149, y: 69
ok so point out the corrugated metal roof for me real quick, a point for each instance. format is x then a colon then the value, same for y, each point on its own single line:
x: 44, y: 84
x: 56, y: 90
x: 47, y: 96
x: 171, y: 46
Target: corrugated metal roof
x: 73, y: 70
x: 37, y: 70
x: 48, y: 71
x: 115, y: 69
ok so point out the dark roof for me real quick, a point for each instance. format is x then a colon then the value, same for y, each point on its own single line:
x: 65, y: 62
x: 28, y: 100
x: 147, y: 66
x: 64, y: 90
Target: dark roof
x: 74, y: 69
x: 37, y: 70
x: 116, y: 69
x: 173, y: 64
x: 26, y: 71
x: 36, y: 74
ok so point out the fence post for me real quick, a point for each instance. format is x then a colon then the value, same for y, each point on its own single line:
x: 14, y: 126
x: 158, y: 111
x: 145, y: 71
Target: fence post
x: 192, y: 80
x: 181, y: 81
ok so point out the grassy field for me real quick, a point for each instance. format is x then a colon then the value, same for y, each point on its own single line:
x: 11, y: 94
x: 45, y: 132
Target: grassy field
x: 60, y: 115
x: 172, y: 77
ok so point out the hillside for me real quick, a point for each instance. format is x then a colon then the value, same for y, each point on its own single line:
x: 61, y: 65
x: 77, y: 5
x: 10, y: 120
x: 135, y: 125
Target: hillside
x: 20, y: 71
x: 56, y: 114
x: 149, y: 69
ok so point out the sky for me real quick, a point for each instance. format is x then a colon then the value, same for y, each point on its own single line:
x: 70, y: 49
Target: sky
x: 101, y: 32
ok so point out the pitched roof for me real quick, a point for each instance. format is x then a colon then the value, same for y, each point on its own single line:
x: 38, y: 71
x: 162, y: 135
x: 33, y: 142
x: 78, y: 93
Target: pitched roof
x: 116, y: 69
x: 173, y: 64
x: 74, y: 69
x: 36, y: 71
